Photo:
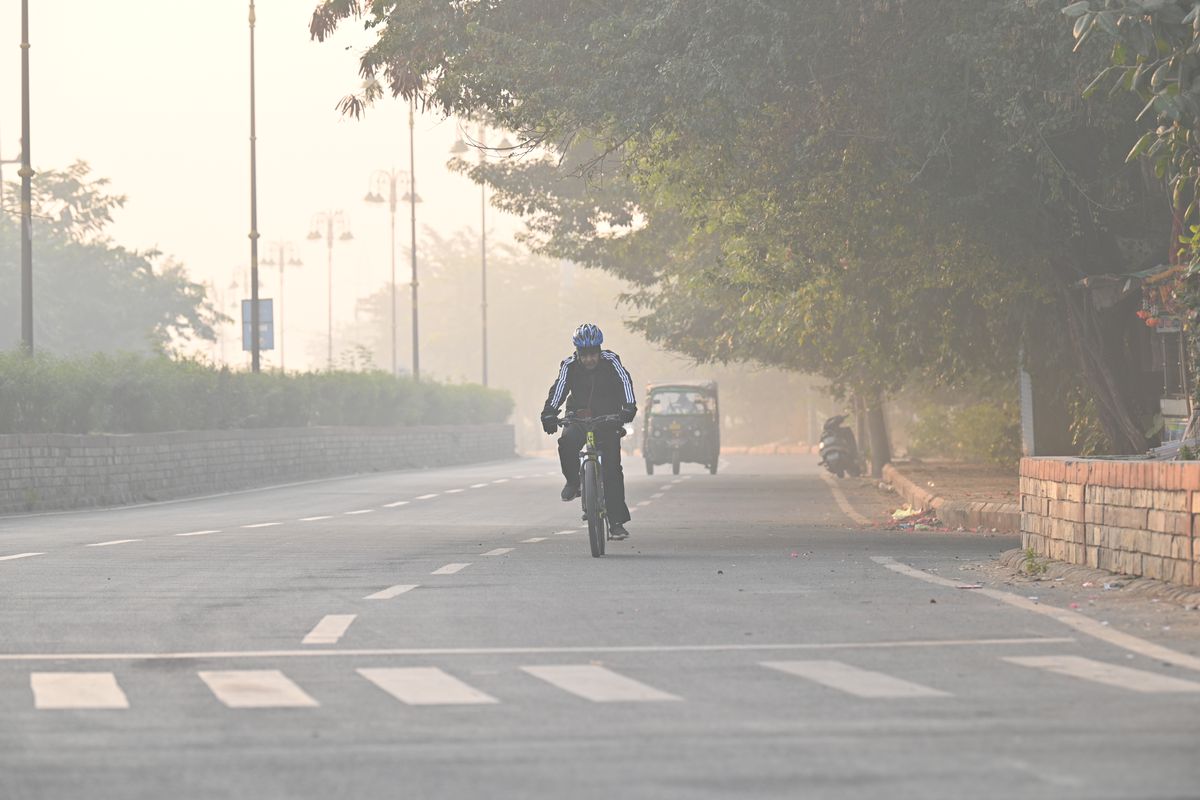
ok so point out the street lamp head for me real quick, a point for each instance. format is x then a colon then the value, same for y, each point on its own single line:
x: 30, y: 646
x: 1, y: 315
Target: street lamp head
x: 373, y: 197
x: 459, y: 147
x: 295, y: 262
x: 314, y: 235
x: 346, y: 236
x: 408, y: 198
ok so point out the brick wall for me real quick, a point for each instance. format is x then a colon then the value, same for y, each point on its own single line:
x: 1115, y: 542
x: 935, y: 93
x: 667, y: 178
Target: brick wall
x: 42, y: 472
x: 1132, y: 517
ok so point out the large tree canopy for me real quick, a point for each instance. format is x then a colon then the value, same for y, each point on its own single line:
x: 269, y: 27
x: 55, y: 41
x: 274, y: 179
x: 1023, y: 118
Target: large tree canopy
x: 91, y: 295
x: 875, y: 192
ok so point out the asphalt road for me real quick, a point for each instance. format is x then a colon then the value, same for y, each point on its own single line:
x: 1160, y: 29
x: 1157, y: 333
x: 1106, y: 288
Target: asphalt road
x: 446, y: 633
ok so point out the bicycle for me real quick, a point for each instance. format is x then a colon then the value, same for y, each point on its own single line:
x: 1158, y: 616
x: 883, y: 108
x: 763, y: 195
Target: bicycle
x: 591, y: 479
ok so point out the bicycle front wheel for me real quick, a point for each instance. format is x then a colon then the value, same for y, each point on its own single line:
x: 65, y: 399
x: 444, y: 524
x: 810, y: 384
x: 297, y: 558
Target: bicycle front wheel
x: 592, y: 507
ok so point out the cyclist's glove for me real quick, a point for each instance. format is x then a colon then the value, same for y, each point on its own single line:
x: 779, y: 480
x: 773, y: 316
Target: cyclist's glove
x: 628, y: 412
x: 550, y: 423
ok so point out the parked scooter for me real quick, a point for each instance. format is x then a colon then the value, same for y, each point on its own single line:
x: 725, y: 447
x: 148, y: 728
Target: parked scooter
x: 839, y: 450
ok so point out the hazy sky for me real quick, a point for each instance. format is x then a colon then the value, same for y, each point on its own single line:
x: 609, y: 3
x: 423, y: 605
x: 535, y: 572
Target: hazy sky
x: 154, y: 95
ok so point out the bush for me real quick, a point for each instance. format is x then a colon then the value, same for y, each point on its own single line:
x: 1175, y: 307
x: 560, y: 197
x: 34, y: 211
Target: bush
x: 131, y: 394
x: 982, y: 432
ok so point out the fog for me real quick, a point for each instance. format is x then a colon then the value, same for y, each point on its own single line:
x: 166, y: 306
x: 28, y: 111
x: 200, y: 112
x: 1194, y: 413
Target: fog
x: 158, y: 104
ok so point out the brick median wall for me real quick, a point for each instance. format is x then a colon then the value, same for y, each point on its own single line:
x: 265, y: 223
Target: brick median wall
x: 45, y: 472
x: 1132, y: 517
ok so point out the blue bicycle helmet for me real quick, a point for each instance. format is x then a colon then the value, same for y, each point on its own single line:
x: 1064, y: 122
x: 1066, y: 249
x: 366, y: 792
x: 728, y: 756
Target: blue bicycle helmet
x: 587, y: 335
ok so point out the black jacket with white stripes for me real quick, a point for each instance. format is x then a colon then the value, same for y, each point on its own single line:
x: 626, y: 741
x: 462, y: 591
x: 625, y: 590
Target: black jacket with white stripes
x: 601, y: 391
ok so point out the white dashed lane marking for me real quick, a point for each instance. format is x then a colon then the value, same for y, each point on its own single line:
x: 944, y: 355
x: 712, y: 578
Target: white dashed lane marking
x: 396, y: 504
x: 656, y: 495
x: 500, y: 480
x: 362, y: 511
x: 256, y: 688
x: 597, y: 684
x: 315, y: 519
x: 1136, y: 680
x: 197, y: 533
x: 425, y: 686
x: 454, y: 491
x: 852, y: 680
x: 76, y: 690
x: 114, y: 541
x: 20, y: 555
x: 428, y: 496
x: 330, y: 629
x: 263, y: 525
x: 566, y: 533
x: 534, y: 540
x: 392, y: 591
x: 478, y: 485
x: 644, y: 503
x: 499, y: 551
x: 449, y: 569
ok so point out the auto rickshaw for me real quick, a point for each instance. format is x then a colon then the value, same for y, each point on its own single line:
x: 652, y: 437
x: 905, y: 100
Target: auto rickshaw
x: 682, y: 423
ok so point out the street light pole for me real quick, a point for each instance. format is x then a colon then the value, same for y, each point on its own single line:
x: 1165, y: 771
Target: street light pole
x: 483, y: 260
x: 378, y: 179
x: 460, y: 148
x: 255, y: 344
x: 26, y: 174
x: 330, y: 219
x: 285, y: 257
x: 412, y: 192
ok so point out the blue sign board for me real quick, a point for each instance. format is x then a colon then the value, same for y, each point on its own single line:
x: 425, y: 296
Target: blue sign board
x: 266, y: 326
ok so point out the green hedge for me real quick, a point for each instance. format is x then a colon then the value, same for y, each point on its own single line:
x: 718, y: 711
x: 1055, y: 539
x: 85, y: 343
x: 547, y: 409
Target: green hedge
x: 132, y: 394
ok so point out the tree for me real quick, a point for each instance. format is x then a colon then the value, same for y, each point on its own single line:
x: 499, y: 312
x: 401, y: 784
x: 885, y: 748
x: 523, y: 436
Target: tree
x: 1153, y: 56
x: 878, y: 193
x: 91, y: 294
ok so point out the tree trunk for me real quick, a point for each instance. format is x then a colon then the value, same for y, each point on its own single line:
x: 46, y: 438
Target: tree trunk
x: 1114, y: 403
x: 881, y: 447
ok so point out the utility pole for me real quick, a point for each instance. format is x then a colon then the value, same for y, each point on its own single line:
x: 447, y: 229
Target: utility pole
x: 255, y: 345
x: 26, y: 174
x: 483, y: 261
x: 412, y: 191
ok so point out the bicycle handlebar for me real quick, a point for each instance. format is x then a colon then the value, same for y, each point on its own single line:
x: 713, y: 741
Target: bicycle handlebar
x: 593, y: 421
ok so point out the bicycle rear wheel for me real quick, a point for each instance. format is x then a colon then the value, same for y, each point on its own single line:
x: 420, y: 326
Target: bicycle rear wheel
x: 592, y: 506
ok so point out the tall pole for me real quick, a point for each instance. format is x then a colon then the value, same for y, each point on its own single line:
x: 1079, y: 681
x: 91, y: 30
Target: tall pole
x: 412, y: 190
x: 26, y: 193
x: 329, y: 239
x: 483, y: 261
x: 279, y: 310
x: 254, y: 316
x: 392, y: 205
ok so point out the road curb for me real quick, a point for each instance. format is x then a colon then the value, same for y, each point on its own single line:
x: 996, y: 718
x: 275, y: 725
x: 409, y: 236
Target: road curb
x: 955, y: 514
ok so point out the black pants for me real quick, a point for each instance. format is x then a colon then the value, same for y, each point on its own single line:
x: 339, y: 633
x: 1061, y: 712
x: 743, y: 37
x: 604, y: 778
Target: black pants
x: 573, y: 438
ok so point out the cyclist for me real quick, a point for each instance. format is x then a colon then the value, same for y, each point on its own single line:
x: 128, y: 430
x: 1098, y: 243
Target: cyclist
x: 593, y: 383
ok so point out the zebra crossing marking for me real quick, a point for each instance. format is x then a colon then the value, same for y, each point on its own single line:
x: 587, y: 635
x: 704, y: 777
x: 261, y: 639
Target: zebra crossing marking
x: 1136, y: 680
x: 256, y: 688
x: 450, y: 569
x: 330, y: 629
x: 853, y: 680
x: 425, y: 686
x: 598, y: 684
x: 76, y: 690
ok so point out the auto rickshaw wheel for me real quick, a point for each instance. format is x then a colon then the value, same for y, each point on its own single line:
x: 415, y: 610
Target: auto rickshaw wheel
x: 675, y: 465
x: 712, y: 469
x: 649, y: 467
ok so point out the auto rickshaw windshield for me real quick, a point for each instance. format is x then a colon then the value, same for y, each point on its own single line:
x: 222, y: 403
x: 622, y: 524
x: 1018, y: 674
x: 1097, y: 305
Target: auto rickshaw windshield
x: 679, y: 402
